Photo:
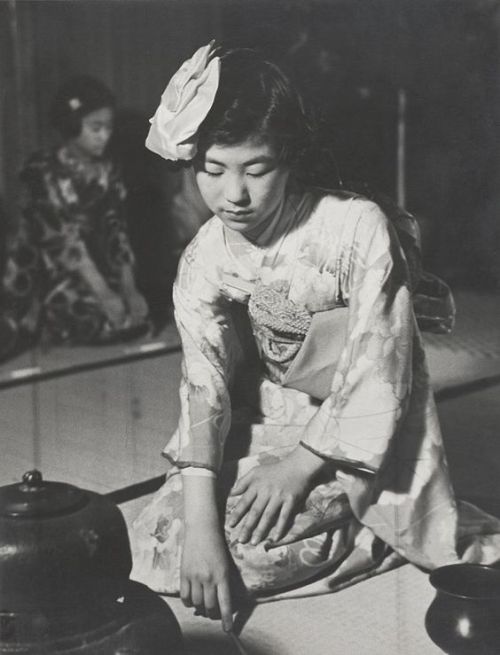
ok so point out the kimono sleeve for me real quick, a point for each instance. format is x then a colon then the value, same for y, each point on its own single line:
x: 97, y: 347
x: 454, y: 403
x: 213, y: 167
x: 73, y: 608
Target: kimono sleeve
x: 115, y: 213
x: 210, y: 351
x: 49, y: 211
x: 370, y: 389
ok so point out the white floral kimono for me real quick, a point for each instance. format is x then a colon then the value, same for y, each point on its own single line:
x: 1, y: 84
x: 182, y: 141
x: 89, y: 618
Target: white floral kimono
x: 309, y: 335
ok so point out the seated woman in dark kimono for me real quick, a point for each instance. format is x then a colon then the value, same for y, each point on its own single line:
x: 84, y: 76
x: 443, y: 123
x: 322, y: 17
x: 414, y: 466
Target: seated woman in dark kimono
x: 70, y: 268
x: 308, y: 453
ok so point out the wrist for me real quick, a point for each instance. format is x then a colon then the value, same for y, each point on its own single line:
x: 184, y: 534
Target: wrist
x: 128, y: 279
x: 128, y: 289
x: 307, y: 463
x: 106, y: 293
x: 93, y: 278
x: 200, y: 503
x: 200, y: 527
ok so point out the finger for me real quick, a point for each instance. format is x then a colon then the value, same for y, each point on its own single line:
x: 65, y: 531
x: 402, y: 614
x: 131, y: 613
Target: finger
x: 197, y: 597
x: 266, y: 521
x: 241, y: 508
x: 185, y: 592
x: 242, y: 483
x: 251, y: 519
x: 226, y: 612
x: 283, y: 519
x: 210, y: 602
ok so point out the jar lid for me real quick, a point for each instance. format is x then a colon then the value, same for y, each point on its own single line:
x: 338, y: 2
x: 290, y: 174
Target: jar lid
x: 37, y: 498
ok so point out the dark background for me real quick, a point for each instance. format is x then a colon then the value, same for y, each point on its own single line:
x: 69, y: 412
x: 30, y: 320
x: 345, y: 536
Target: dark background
x: 351, y: 59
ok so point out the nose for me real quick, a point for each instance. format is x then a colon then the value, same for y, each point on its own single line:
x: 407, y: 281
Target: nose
x: 104, y: 135
x: 236, y: 190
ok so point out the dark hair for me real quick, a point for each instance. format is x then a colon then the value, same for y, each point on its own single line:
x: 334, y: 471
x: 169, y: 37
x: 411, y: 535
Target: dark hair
x: 76, y: 98
x: 255, y: 98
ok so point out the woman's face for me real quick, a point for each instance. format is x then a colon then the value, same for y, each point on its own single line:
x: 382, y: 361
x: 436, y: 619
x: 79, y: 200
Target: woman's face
x: 242, y: 184
x: 97, y: 127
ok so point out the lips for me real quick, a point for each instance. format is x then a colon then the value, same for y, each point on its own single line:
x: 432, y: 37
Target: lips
x: 237, y: 213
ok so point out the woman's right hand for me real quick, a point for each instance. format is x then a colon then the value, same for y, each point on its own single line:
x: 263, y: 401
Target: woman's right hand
x: 110, y: 302
x: 114, y: 308
x: 205, y: 574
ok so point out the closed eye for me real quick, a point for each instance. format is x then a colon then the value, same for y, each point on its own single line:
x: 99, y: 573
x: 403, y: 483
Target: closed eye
x: 259, y: 173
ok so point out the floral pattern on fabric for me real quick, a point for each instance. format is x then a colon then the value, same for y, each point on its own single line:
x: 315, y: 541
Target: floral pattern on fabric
x: 318, y: 539
x: 71, y: 214
x: 378, y: 424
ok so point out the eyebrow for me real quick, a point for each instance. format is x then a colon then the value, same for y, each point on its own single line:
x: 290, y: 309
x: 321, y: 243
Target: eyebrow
x: 261, y: 159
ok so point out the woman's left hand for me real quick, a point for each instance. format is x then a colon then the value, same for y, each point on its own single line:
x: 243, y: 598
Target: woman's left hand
x: 270, y: 493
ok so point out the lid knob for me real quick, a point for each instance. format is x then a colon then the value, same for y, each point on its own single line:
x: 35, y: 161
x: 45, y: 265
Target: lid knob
x: 33, y: 478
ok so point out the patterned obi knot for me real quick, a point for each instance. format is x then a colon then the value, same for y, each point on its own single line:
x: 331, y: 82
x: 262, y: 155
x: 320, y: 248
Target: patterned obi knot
x: 279, y: 326
x: 269, y: 307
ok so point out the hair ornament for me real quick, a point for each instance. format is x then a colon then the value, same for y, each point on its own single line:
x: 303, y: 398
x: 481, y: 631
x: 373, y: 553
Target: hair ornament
x: 75, y: 103
x: 184, y: 105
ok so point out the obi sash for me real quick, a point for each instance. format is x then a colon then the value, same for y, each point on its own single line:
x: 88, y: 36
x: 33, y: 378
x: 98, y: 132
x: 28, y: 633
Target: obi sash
x: 314, y: 365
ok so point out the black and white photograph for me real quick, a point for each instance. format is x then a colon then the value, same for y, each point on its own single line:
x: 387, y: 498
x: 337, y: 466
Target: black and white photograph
x: 249, y: 327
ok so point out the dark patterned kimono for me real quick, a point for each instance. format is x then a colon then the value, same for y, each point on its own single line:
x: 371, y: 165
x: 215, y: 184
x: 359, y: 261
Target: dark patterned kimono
x: 72, y: 217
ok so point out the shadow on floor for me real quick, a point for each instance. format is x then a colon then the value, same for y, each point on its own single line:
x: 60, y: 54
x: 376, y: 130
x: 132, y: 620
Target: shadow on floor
x: 222, y: 645
x: 488, y: 504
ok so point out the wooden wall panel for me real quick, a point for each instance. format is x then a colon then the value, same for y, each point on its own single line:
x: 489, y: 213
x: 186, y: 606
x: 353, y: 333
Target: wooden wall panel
x: 134, y: 47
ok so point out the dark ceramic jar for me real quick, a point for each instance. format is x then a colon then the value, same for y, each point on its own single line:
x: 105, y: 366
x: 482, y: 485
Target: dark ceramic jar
x: 64, y: 588
x: 60, y: 546
x: 464, y: 617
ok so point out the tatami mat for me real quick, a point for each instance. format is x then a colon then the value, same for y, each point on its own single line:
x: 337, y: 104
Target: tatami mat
x: 472, y: 350
x: 381, y: 616
x: 102, y: 430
